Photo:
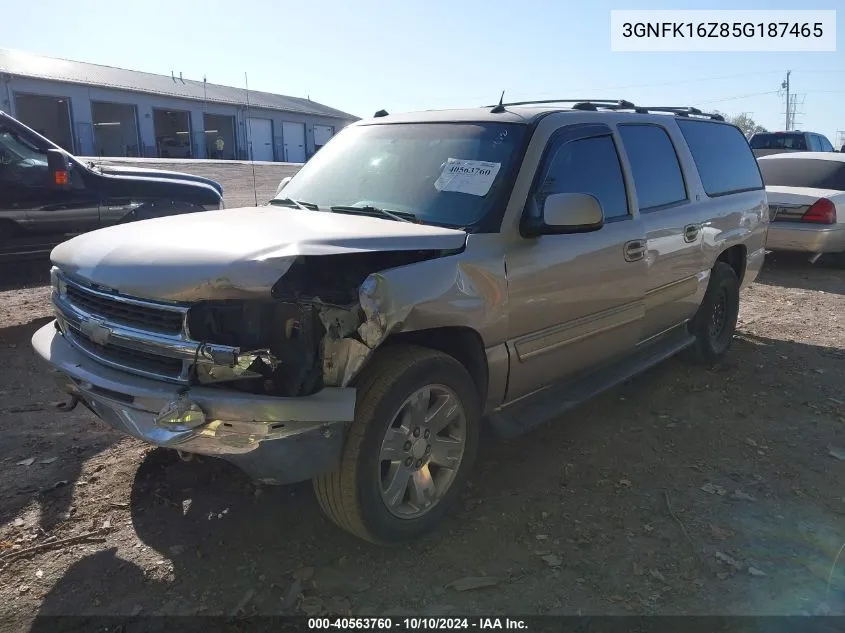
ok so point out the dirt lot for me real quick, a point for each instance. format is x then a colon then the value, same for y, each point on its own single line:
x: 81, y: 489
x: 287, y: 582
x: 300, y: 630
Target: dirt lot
x: 685, y: 491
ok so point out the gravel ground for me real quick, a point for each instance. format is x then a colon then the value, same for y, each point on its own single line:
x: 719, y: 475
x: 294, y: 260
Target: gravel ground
x: 235, y: 176
x: 684, y: 491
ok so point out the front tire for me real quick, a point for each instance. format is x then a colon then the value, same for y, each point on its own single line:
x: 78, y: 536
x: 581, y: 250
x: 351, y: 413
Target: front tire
x: 409, y: 450
x: 714, y: 324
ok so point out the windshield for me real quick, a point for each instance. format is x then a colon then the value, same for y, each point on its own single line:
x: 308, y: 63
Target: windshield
x: 797, y: 172
x: 778, y: 141
x: 449, y: 174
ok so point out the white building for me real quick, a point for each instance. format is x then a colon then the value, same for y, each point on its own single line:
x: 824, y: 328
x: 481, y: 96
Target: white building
x: 94, y: 110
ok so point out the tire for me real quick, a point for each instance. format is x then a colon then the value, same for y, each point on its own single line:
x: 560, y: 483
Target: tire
x: 352, y: 496
x: 711, y: 345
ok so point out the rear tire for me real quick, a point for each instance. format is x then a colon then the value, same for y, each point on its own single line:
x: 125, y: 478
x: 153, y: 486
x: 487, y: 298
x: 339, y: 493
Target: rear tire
x: 714, y: 324
x: 391, y: 485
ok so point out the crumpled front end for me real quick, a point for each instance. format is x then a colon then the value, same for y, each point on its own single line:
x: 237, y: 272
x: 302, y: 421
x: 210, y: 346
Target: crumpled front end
x: 243, y: 379
x: 274, y: 440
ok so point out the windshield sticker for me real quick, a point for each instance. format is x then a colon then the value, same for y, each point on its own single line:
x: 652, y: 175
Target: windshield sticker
x: 474, y: 177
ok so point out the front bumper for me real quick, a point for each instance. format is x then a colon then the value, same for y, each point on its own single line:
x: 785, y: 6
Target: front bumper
x: 273, y: 440
x: 805, y: 238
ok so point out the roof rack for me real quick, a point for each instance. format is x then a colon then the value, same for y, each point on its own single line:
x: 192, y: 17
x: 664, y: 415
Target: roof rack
x: 594, y: 105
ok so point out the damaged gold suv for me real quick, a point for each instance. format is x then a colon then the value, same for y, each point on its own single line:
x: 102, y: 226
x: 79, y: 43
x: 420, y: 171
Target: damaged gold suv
x: 422, y: 277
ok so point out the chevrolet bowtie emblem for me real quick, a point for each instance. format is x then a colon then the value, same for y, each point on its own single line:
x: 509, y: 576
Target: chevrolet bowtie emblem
x: 96, y: 331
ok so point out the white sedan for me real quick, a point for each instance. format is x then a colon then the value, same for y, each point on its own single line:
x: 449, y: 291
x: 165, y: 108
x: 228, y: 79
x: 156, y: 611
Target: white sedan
x: 806, y: 192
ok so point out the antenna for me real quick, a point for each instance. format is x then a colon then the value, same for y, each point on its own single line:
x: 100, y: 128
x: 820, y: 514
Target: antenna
x: 180, y: 77
x: 172, y: 76
x: 249, y: 140
x: 499, y: 108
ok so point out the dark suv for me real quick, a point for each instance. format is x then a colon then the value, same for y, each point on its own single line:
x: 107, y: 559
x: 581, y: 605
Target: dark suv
x: 47, y: 195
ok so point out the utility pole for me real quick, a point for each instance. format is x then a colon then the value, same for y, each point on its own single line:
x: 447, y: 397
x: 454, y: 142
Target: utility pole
x: 785, y: 85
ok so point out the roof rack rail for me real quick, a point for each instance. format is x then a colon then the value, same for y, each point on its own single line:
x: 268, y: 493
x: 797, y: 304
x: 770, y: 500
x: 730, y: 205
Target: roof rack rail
x: 594, y: 105
x: 548, y: 101
x: 686, y: 111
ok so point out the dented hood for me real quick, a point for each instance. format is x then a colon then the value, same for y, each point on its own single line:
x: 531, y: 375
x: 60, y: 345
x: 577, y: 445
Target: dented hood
x: 229, y: 254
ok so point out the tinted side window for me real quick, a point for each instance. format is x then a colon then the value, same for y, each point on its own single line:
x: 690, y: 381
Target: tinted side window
x: 588, y: 165
x: 826, y: 145
x: 21, y: 162
x: 722, y: 156
x: 815, y: 144
x: 654, y: 165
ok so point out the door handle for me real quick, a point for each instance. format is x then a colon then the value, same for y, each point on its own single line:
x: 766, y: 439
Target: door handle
x: 691, y: 232
x: 634, y: 250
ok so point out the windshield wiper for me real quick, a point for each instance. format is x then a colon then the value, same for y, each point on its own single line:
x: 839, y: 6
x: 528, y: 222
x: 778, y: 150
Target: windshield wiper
x: 299, y: 204
x: 402, y: 216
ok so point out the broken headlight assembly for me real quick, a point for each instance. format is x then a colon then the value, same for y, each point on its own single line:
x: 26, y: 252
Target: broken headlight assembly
x: 278, y: 346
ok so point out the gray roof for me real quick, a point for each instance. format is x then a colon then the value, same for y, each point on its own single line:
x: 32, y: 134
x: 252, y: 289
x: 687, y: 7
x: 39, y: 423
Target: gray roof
x: 41, y: 67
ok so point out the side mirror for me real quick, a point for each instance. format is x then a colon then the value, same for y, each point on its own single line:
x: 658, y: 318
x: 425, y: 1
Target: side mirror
x: 58, y: 166
x: 572, y: 213
x: 283, y: 184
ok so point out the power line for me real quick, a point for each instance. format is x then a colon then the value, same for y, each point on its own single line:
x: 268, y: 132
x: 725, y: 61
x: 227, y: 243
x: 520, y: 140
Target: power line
x: 735, y: 97
x: 534, y: 95
x: 815, y: 70
x: 689, y: 81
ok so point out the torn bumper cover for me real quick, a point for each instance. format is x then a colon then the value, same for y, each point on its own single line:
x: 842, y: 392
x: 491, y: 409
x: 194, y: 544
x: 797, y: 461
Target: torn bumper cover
x: 274, y: 440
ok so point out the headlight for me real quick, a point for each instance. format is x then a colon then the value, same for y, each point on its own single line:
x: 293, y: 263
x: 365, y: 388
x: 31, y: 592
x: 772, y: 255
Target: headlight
x: 57, y: 282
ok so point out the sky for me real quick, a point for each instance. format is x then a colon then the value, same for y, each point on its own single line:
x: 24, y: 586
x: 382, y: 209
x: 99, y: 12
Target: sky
x: 362, y: 56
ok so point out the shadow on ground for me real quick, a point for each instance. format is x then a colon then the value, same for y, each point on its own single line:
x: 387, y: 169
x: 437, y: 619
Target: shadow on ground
x: 615, y: 486
x: 793, y: 270
x: 24, y: 273
x: 35, y: 429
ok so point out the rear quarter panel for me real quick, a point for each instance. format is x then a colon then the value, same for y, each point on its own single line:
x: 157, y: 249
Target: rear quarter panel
x: 728, y: 220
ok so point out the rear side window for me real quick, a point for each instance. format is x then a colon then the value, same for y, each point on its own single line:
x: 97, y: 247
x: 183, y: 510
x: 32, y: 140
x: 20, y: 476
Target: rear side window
x: 826, y: 146
x: 723, y: 158
x: 654, y: 166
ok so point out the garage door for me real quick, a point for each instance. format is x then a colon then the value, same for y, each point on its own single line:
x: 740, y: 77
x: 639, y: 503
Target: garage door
x: 294, y: 140
x: 261, y: 146
x: 322, y: 134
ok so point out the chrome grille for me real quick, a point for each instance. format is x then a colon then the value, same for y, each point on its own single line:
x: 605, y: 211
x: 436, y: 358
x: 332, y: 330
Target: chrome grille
x: 138, y: 336
x: 123, y: 357
x: 144, y: 317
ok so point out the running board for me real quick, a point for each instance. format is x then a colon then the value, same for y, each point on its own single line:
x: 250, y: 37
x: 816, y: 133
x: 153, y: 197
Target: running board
x: 551, y: 402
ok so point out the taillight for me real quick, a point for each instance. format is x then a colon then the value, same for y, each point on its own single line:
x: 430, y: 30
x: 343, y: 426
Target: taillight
x: 822, y: 211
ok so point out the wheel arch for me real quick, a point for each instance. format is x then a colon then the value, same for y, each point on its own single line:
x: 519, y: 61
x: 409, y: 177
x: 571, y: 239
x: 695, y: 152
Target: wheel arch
x: 461, y: 343
x: 736, y: 257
